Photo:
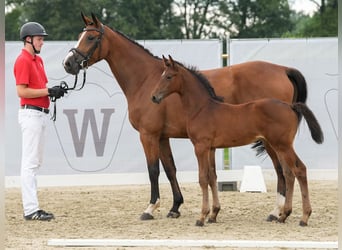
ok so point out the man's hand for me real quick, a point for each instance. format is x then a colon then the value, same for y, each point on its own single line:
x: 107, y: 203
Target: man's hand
x: 57, y: 92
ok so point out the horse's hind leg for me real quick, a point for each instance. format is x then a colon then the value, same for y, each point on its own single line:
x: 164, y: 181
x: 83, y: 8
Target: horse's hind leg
x: 213, y: 185
x: 170, y: 170
x: 281, y: 186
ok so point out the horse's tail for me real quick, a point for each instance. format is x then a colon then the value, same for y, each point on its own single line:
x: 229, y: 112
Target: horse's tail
x: 299, y: 83
x: 299, y: 96
x: 303, y: 110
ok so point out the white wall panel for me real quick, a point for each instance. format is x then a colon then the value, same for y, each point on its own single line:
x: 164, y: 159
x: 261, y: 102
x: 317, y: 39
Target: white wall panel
x: 101, y: 95
x: 317, y: 60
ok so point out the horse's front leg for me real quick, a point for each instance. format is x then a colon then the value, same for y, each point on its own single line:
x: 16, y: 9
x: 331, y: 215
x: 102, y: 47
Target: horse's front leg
x: 213, y: 186
x: 170, y: 170
x: 151, y: 148
x: 203, y: 175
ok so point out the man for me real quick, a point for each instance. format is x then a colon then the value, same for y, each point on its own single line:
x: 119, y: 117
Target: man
x: 31, y: 84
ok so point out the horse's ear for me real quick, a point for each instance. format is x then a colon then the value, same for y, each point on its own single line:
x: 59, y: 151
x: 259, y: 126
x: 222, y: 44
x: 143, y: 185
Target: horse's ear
x: 95, y: 20
x: 84, y: 18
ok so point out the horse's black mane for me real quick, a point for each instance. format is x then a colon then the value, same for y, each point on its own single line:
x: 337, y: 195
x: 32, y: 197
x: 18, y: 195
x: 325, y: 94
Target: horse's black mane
x: 133, y: 41
x: 204, y: 81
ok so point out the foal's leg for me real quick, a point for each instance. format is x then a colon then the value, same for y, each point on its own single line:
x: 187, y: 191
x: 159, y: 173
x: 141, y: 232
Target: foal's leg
x: 281, y: 186
x: 289, y: 180
x: 296, y: 168
x: 170, y: 170
x: 213, y: 185
x: 300, y: 173
x: 151, y: 149
x: 202, y: 155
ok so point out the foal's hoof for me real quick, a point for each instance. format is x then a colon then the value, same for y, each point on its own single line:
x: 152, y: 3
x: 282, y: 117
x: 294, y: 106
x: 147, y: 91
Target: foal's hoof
x: 173, y: 215
x: 303, y: 224
x: 199, y: 223
x: 146, y: 216
x: 281, y: 220
x: 271, y: 218
x: 210, y: 220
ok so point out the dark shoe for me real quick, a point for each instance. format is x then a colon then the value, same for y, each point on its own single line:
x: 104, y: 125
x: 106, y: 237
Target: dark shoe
x: 40, y: 215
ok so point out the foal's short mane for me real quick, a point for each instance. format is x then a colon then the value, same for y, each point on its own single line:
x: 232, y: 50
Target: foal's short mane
x: 204, y: 81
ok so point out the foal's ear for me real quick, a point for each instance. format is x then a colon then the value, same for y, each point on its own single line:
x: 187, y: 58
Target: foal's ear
x: 172, y: 63
x: 166, y: 62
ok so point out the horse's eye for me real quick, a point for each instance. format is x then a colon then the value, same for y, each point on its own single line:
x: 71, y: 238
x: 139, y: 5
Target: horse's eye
x: 90, y: 38
x: 168, y: 77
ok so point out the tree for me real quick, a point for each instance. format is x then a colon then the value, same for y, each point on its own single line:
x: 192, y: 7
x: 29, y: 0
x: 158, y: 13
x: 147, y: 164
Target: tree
x: 256, y: 18
x: 12, y: 25
x: 61, y: 19
x: 148, y: 19
x: 323, y: 23
x: 198, y: 17
x: 174, y: 19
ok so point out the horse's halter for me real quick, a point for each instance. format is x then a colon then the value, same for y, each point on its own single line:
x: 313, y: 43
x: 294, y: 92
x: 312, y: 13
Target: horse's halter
x: 85, y: 58
x: 83, y: 63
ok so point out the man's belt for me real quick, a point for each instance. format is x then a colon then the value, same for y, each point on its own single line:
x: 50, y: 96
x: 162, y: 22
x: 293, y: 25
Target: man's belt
x: 46, y: 111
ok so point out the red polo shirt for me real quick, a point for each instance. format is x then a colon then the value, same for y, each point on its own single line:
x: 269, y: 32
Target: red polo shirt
x: 29, y: 70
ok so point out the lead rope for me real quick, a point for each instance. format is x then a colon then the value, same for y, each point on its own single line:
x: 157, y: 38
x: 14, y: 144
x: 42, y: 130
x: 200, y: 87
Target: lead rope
x: 65, y: 86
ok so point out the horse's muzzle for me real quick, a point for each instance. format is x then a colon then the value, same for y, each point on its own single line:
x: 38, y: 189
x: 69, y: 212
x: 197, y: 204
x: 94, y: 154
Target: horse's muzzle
x: 71, y: 65
x: 71, y: 68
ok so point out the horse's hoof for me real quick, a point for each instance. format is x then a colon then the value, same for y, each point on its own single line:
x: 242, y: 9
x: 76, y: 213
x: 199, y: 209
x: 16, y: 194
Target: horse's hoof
x: 210, y: 220
x: 303, y: 224
x: 271, y: 218
x: 173, y: 215
x: 199, y: 223
x: 146, y: 216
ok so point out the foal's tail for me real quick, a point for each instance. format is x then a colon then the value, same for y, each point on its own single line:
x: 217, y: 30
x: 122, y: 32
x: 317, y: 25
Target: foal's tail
x: 299, y: 96
x: 303, y: 110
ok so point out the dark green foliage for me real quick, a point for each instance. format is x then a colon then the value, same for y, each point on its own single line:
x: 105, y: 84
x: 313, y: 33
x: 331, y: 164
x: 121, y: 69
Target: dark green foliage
x: 174, y: 19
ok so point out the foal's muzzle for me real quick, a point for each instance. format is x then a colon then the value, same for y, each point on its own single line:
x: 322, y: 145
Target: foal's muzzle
x: 156, y: 99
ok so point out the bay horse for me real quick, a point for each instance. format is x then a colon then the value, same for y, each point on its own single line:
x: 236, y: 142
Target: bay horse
x: 213, y: 124
x: 137, y: 71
